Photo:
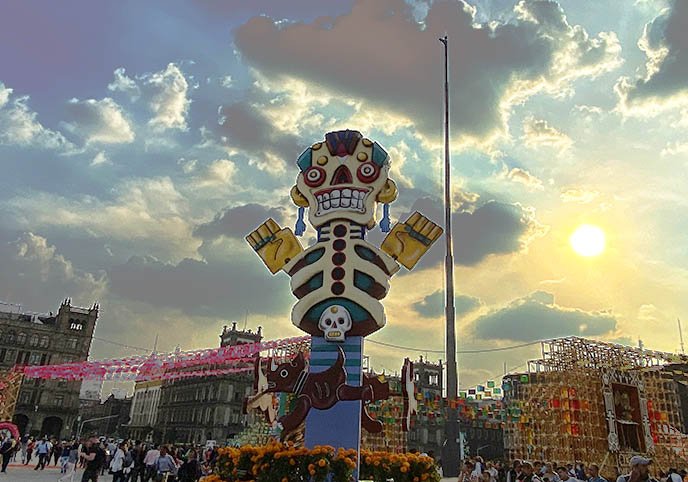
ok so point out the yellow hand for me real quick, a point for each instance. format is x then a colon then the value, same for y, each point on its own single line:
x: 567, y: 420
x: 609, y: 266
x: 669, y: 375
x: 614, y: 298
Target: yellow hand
x: 275, y: 246
x: 410, y: 240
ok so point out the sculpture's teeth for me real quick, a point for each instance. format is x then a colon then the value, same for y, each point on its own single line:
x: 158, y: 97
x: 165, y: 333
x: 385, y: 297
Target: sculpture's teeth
x: 326, y: 196
x: 335, y: 202
x: 326, y: 204
x: 334, y: 194
x: 346, y: 202
x: 346, y: 192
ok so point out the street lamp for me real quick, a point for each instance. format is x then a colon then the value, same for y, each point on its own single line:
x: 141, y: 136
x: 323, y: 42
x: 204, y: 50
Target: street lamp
x: 81, y: 425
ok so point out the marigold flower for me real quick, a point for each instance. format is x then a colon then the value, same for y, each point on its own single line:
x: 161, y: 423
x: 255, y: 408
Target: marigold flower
x: 322, y: 462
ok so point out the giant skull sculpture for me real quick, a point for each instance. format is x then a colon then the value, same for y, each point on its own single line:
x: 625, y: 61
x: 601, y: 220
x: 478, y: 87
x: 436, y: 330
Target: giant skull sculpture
x: 343, y: 178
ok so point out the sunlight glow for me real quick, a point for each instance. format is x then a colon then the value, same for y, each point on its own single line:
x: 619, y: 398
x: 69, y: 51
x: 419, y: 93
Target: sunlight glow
x: 588, y: 240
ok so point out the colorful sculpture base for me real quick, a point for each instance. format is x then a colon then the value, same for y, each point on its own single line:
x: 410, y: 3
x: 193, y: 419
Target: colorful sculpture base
x: 340, y: 426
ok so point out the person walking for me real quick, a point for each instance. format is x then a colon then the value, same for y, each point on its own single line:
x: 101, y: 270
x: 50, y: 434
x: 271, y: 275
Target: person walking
x: 95, y: 460
x: 58, y: 447
x: 165, y: 467
x: 149, y: 461
x: 43, y: 451
x: 29, y: 450
x: 117, y: 463
x: 6, y: 450
x: 70, y: 464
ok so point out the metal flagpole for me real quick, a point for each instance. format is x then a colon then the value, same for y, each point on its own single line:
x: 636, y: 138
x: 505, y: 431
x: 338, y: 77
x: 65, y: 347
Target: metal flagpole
x: 450, y: 449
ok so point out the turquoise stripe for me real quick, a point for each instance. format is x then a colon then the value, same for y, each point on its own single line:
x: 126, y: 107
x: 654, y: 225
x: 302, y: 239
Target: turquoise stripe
x: 332, y: 347
x: 328, y: 363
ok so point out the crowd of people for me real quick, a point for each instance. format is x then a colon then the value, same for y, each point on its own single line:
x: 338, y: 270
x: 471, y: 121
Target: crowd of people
x: 124, y: 460
x: 477, y: 470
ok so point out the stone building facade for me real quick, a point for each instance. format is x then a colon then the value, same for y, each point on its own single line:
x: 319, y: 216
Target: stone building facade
x: 207, y: 408
x: 143, y: 417
x: 427, y: 435
x: 46, y: 407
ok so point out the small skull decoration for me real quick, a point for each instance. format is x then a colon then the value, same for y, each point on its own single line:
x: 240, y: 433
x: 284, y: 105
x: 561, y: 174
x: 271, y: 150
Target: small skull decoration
x: 335, y: 322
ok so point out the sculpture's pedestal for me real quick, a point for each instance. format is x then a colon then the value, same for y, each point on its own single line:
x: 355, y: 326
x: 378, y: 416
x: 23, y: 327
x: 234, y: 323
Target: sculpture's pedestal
x: 340, y: 426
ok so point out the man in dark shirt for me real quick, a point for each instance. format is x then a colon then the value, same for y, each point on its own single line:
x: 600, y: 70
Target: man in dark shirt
x: 6, y: 451
x: 95, y: 459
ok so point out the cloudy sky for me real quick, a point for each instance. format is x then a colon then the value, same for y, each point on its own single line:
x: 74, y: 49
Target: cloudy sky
x: 139, y: 143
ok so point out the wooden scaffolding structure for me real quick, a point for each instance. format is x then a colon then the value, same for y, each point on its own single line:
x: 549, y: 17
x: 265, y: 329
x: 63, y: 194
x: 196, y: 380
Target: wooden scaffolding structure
x: 595, y: 402
x: 10, y: 383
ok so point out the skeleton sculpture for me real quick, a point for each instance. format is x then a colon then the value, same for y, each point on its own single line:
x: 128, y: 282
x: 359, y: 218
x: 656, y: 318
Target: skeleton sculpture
x: 339, y: 280
x: 341, y: 181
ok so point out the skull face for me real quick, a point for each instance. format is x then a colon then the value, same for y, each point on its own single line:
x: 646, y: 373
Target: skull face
x: 335, y: 321
x: 343, y: 178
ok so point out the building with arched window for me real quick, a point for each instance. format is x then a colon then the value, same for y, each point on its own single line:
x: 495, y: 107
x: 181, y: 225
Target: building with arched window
x: 46, y: 407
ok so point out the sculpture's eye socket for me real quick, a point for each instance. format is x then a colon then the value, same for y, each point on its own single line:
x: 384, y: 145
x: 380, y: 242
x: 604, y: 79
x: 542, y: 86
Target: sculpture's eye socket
x: 328, y: 322
x: 314, y: 176
x: 284, y: 373
x: 368, y: 172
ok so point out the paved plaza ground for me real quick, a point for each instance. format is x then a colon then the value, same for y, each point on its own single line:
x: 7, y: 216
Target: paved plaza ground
x: 24, y: 473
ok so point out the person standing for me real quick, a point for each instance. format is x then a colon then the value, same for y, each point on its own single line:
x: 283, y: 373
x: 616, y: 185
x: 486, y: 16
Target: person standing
x: 594, y: 474
x: 43, y: 452
x: 95, y: 460
x: 640, y: 471
x: 514, y: 472
x: 190, y: 471
x: 527, y: 474
x: 70, y: 464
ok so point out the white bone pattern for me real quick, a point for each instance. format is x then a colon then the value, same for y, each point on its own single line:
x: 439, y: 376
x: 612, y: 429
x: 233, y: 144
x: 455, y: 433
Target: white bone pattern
x: 335, y: 321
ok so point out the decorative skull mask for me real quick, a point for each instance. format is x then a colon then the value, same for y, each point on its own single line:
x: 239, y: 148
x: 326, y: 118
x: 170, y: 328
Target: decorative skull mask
x: 343, y: 178
x: 335, y: 321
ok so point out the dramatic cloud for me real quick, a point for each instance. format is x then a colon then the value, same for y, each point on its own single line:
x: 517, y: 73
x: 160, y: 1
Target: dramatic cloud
x: 141, y: 212
x: 224, y: 288
x: 665, y: 84
x: 522, y: 176
x: 492, y: 228
x: 218, y: 173
x: 238, y: 221
x: 125, y: 84
x: 395, y: 63
x: 582, y: 196
x: 538, y: 317
x: 244, y: 127
x: 99, y: 121
x: 34, y: 274
x: 19, y: 126
x: 539, y: 133
x: 167, y: 93
x: 432, y: 305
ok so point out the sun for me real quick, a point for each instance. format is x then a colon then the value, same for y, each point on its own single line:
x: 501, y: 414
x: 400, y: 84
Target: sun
x: 588, y: 240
